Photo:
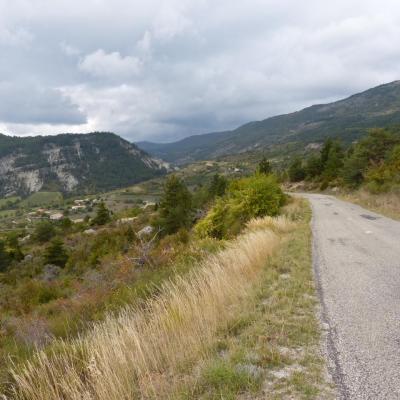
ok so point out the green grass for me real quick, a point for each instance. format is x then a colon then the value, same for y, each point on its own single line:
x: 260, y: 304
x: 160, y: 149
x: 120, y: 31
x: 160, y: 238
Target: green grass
x: 43, y: 199
x: 7, y: 213
x: 9, y: 201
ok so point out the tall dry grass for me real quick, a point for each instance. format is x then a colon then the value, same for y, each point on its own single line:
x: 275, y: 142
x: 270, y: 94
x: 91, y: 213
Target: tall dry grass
x: 141, y: 353
x: 384, y: 203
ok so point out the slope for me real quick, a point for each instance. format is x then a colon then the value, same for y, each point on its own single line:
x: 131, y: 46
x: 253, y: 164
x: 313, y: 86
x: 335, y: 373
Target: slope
x: 72, y: 163
x: 347, y: 119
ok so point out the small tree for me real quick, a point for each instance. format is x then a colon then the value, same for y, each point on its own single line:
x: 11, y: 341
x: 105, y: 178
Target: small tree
x: 313, y: 167
x: 4, y: 257
x: 334, y: 162
x: 218, y: 186
x: 15, y: 252
x: 103, y: 215
x: 56, y: 253
x: 296, y: 171
x: 44, y: 231
x: 175, y: 207
x: 264, y: 167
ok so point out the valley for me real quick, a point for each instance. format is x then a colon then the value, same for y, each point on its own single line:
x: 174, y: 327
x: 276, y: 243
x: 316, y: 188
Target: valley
x: 213, y: 251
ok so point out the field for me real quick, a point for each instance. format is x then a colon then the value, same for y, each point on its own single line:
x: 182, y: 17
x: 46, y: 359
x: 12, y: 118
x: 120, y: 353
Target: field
x: 43, y: 199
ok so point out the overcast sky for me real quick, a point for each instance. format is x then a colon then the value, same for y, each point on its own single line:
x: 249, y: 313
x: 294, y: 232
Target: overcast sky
x: 162, y: 70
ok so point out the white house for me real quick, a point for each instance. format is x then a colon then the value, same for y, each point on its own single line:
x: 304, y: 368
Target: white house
x: 56, y: 217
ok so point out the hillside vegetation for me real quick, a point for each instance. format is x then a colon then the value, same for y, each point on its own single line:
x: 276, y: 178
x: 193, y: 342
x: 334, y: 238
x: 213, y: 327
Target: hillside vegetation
x: 367, y: 172
x: 372, y: 163
x: 72, y: 163
x: 63, y: 276
x: 178, y: 344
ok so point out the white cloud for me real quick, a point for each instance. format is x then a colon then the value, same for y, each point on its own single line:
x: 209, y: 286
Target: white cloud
x: 110, y: 65
x: 168, y: 68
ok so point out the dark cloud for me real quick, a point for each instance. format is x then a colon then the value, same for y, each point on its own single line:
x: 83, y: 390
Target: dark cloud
x: 166, y: 69
x: 29, y: 103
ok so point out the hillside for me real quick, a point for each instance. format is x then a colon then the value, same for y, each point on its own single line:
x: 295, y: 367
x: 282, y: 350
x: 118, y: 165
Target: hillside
x: 347, y: 119
x: 72, y: 163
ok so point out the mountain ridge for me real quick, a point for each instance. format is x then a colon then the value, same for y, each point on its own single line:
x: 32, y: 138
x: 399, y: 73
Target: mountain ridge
x: 72, y: 163
x: 347, y: 119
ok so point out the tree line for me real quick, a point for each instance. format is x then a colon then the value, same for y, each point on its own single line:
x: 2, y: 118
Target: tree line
x: 373, y: 162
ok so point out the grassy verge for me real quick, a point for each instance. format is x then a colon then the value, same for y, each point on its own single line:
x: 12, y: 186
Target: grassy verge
x: 240, y: 326
x: 387, y: 204
x: 270, y: 350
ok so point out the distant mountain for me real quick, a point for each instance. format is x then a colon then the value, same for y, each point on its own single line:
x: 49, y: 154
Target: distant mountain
x: 347, y: 119
x: 72, y: 163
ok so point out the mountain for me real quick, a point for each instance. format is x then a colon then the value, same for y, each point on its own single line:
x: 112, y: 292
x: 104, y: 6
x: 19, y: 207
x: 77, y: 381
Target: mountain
x: 72, y: 163
x: 346, y: 119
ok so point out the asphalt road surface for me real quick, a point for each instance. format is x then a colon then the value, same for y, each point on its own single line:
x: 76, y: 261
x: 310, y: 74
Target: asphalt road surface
x: 357, y: 268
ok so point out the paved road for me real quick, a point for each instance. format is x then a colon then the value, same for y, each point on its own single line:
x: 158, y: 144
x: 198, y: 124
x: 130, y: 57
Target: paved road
x: 357, y: 268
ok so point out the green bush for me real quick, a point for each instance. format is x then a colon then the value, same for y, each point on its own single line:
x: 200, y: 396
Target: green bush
x: 296, y: 171
x: 385, y: 176
x: 56, y: 254
x: 4, y: 257
x: 103, y: 215
x: 44, y: 231
x: 255, y: 196
x: 175, y: 208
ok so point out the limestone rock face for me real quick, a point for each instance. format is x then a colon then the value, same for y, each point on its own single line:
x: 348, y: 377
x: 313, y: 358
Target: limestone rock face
x: 72, y: 163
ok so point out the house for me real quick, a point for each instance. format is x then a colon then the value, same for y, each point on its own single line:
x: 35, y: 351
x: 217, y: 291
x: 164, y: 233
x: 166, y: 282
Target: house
x: 77, y: 208
x: 56, y: 217
x: 127, y: 220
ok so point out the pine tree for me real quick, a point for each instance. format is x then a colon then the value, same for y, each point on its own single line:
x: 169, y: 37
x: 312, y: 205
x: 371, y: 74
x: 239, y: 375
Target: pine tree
x: 15, y: 252
x: 175, y: 206
x: 326, y: 148
x: 4, y: 257
x: 313, y: 166
x: 296, y: 171
x: 44, y: 231
x: 218, y: 186
x: 102, y: 216
x: 56, y: 253
x: 334, y: 161
x: 264, y: 167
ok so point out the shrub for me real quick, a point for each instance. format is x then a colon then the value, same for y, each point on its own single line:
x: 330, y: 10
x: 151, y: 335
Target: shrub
x: 296, y: 171
x: 44, y: 231
x: 247, y: 198
x: 102, y: 216
x: 4, y: 257
x: 264, y: 167
x: 56, y: 253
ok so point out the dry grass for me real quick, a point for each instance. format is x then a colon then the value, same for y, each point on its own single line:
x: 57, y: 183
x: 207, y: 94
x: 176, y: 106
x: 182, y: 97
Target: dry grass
x: 384, y: 203
x: 271, y: 349
x: 142, y: 352
x: 279, y: 224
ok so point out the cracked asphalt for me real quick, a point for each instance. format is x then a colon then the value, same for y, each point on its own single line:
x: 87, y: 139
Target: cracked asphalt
x: 356, y: 256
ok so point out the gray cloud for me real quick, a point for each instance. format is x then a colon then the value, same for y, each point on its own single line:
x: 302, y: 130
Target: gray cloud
x: 166, y: 69
x: 30, y: 103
